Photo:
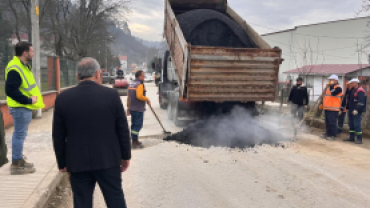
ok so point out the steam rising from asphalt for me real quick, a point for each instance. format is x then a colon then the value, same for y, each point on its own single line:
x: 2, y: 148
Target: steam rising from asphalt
x: 238, y: 129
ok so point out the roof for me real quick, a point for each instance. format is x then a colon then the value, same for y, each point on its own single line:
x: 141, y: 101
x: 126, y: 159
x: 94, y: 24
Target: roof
x: 319, y: 23
x: 324, y: 69
x: 23, y: 36
x: 123, y: 58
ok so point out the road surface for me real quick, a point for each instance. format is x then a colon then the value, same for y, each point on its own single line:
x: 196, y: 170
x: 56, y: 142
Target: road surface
x: 307, y: 173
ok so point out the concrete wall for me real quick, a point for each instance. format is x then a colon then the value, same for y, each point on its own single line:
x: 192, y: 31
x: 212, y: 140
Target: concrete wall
x: 49, y: 100
x: 325, y: 41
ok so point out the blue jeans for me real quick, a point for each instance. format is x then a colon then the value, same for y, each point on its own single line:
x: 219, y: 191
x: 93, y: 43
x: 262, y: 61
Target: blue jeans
x: 355, y: 126
x: 137, y: 120
x: 22, y: 118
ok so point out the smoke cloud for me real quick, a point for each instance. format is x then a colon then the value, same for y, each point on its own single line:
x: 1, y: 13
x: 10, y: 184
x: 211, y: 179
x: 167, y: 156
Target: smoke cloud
x: 238, y: 129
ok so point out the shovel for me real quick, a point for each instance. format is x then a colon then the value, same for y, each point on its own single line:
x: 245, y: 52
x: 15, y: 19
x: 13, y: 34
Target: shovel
x: 159, y: 121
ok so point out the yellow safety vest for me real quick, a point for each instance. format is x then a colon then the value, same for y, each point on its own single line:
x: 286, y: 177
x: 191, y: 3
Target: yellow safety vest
x: 28, y: 87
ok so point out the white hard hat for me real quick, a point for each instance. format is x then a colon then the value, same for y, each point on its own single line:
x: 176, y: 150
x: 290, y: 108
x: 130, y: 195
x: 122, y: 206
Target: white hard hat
x: 354, y: 80
x: 335, y: 77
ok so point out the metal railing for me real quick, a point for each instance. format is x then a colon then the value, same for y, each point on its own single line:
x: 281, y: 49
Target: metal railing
x: 68, y: 69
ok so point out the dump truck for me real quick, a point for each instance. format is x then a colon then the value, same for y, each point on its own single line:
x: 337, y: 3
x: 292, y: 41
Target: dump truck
x: 201, y: 79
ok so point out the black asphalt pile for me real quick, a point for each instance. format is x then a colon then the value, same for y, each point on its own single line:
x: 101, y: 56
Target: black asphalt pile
x: 205, y: 27
x: 235, y: 130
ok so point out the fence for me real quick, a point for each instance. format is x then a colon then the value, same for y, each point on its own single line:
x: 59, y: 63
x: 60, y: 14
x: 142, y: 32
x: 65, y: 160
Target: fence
x: 67, y: 73
x: 48, y: 69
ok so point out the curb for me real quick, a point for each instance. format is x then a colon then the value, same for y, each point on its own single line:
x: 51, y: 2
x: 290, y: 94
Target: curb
x: 45, y: 189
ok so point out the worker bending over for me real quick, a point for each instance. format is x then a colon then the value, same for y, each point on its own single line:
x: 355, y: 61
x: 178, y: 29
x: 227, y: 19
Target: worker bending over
x: 356, y: 106
x: 136, y: 101
x: 332, y: 103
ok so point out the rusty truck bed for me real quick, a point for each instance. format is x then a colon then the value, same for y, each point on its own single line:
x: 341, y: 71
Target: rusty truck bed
x: 223, y: 74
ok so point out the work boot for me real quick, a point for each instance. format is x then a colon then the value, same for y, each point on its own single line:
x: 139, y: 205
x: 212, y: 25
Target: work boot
x: 358, y: 141
x: 324, y: 136
x: 136, y: 144
x: 21, y: 167
x: 349, y: 140
x: 331, y: 138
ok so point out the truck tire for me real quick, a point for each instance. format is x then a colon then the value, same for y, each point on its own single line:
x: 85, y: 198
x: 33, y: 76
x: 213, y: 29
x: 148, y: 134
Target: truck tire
x: 207, y: 27
x: 176, y: 110
x: 170, y: 110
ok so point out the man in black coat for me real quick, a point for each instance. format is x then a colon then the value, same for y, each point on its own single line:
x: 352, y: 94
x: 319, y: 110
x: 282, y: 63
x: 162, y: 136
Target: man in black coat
x: 91, y: 138
x: 298, y: 99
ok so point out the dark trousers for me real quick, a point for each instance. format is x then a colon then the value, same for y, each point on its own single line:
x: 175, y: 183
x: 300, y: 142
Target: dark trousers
x: 110, y: 183
x: 137, y: 120
x: 341, y: 119
x: 355, y: 126
x: 331, y: 119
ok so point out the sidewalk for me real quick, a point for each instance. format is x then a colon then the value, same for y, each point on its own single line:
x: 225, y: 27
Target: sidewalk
x: 31, y: 190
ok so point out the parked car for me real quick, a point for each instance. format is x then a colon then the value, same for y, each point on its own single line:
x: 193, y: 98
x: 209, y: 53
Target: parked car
x: 107, y: 78
x: 121, y: 84
x: 148, y: 77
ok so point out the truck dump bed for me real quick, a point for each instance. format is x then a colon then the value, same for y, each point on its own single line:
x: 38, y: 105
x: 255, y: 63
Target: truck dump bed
x: 220, y: 74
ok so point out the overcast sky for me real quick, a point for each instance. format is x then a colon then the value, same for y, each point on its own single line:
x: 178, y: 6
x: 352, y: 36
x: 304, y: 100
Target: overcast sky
x: 146, y: 18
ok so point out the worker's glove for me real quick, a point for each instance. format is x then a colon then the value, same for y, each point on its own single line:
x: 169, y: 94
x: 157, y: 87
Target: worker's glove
x: 340, y: 113
x: 355, y: 113
x: 321, y: 107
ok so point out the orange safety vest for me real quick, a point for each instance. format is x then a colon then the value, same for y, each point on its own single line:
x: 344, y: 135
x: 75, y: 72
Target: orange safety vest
x: 330, y: 102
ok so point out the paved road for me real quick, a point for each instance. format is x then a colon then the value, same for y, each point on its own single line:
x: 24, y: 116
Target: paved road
x: 305, y: 174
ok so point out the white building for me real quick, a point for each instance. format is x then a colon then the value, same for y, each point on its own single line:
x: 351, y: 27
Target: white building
x: 123, y: 61
x: 335, y: 42
x: 316, y: 76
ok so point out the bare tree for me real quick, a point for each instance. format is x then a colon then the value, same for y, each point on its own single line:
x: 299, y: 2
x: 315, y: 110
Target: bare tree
x: 20, y: 11
x: 305, y: 58
x: 80, y: 28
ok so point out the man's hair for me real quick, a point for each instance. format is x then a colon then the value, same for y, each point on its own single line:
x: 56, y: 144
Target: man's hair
x: 138, y: 73
x: 22, y: 47
x: 87, y: 67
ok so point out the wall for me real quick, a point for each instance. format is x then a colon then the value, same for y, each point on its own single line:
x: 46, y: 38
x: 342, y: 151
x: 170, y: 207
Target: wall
x: 49, y: 100
x: 325, y: 39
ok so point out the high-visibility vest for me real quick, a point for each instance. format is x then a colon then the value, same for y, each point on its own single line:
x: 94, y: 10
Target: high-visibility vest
x: 330, y: 102
x: 28, y: 87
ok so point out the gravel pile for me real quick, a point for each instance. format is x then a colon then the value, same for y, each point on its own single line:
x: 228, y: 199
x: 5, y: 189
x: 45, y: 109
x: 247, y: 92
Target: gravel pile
x: 206, y: 27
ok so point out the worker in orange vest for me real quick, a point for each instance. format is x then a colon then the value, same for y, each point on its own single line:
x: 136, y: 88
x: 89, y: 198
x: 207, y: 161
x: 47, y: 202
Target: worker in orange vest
x: 343, y: 109
x: 332, y: 103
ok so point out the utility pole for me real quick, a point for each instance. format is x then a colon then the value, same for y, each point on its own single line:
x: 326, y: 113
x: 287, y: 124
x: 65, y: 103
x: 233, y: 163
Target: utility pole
x: 106, y: 54
x: 35, y: 12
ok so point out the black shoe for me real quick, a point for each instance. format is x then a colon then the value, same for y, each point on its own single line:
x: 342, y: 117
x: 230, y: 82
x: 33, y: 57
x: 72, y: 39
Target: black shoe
x: 349, y: 140
x: 358, y: 142
x: 137, y: 145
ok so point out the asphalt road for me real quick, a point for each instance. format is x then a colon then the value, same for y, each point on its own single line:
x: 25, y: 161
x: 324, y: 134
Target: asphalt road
x: 306, y: 173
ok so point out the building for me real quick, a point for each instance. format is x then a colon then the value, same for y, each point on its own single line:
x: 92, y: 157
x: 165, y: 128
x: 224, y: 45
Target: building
x: 335, y: 42
x: 123, y: 61
x: 316, y: 76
